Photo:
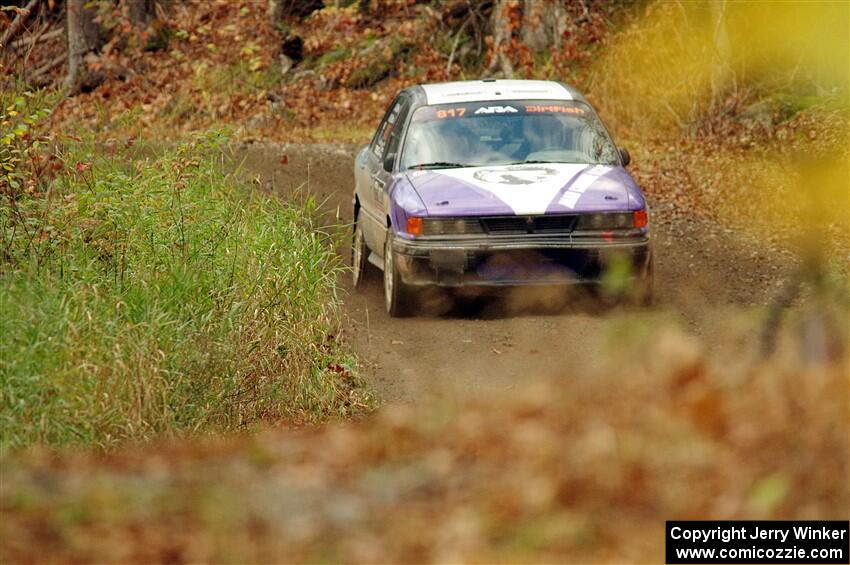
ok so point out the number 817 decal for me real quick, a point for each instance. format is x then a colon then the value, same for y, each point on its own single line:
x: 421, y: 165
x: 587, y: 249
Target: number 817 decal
x: 451, y: 113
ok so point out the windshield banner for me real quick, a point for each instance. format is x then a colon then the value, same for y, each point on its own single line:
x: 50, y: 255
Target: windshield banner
x: 508, y: 107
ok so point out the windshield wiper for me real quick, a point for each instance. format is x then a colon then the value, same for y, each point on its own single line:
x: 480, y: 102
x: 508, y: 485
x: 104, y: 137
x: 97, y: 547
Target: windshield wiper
x: 438, y: 165
x: 543, y: 162
x: 536, y: 162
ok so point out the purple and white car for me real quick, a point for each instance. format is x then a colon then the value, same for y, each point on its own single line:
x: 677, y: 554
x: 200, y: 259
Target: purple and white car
x: 496, y: 183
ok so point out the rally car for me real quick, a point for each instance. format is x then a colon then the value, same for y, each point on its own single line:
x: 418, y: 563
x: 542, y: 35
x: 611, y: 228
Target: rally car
x: 496, y: 183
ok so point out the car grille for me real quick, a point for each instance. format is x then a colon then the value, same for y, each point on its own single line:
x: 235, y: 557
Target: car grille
x: 507, y: 225
x: 554, y: 224
x: 500, y: 225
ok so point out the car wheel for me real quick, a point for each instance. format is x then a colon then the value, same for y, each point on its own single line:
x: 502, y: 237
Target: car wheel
x: 359, y: 255
x: 643, y: 293
x: 396, y: 294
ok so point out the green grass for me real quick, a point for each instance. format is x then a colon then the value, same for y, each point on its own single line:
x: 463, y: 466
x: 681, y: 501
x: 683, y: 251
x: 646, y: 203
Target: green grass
x: 239, y: 78
x: 153, y: 294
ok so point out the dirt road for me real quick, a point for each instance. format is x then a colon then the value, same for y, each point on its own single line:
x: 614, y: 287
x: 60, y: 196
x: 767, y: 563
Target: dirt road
x: 701, y: 271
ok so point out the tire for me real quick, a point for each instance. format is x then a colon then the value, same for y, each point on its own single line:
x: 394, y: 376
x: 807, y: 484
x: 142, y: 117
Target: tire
x: 397, y: 297
x: 359, y: 256
x: 640, y: 293
x: 643, y: 293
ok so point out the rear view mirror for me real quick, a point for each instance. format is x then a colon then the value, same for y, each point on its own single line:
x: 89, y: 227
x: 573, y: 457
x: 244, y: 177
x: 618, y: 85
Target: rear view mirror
x: 624, y: 156
x: 389, y: 162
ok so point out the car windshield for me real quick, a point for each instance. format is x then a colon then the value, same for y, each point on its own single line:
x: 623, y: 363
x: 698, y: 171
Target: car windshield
x: 503, y: 133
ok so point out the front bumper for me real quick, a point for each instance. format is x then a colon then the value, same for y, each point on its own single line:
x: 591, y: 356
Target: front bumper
x: 521, y: 260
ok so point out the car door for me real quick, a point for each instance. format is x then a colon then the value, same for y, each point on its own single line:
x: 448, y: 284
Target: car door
x: 384, y: 178
x: 373, y: 190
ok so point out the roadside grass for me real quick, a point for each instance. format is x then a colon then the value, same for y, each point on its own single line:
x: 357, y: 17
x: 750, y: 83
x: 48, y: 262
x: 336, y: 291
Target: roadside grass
x: 147, y: 292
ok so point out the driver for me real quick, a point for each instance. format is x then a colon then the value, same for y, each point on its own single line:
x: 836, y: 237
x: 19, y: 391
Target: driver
x: 541, y: 133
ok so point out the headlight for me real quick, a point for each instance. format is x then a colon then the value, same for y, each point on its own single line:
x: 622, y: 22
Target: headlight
x: 607, y: 221
x: 451, y: 226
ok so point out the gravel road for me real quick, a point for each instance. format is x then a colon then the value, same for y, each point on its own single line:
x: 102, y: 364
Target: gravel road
x: 703, y: 271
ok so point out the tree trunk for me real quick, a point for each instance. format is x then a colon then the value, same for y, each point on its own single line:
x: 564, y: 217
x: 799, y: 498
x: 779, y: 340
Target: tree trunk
x: 275, y: 11
x: 502, y: 28
x: 76, y: 46
x: 543, y: 24
x: 82, y: 37
x: 539, y: 24
x: 138, y: 12
x: 721, y: 69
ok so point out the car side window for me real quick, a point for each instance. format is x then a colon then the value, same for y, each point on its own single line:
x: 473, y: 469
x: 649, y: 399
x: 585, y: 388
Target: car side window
x: 379, y: 143
x: 397, y: 130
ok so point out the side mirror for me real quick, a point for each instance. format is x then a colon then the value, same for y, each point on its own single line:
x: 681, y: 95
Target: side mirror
x: 389, y: 162
x: 624, y: 156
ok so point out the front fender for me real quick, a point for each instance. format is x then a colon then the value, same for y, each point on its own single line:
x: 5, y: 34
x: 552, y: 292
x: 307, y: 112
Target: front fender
x: 404, y: 202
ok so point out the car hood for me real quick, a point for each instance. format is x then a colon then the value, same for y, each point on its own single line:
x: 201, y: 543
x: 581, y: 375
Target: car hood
x: 526, y: 189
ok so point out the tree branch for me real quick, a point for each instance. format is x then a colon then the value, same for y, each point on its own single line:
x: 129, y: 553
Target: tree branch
x: 37, y: 76
x: 456, y: 41
x: 26, y: 41
x: 18, y: 23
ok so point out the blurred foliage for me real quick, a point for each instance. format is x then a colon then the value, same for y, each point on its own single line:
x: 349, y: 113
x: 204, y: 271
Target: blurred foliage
x: 742, y: 112
x: 681, y: 60
x: 572, y: 470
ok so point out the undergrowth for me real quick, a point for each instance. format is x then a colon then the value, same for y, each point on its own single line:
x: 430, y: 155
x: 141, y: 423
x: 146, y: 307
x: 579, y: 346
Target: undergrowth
x: 146, y: 292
